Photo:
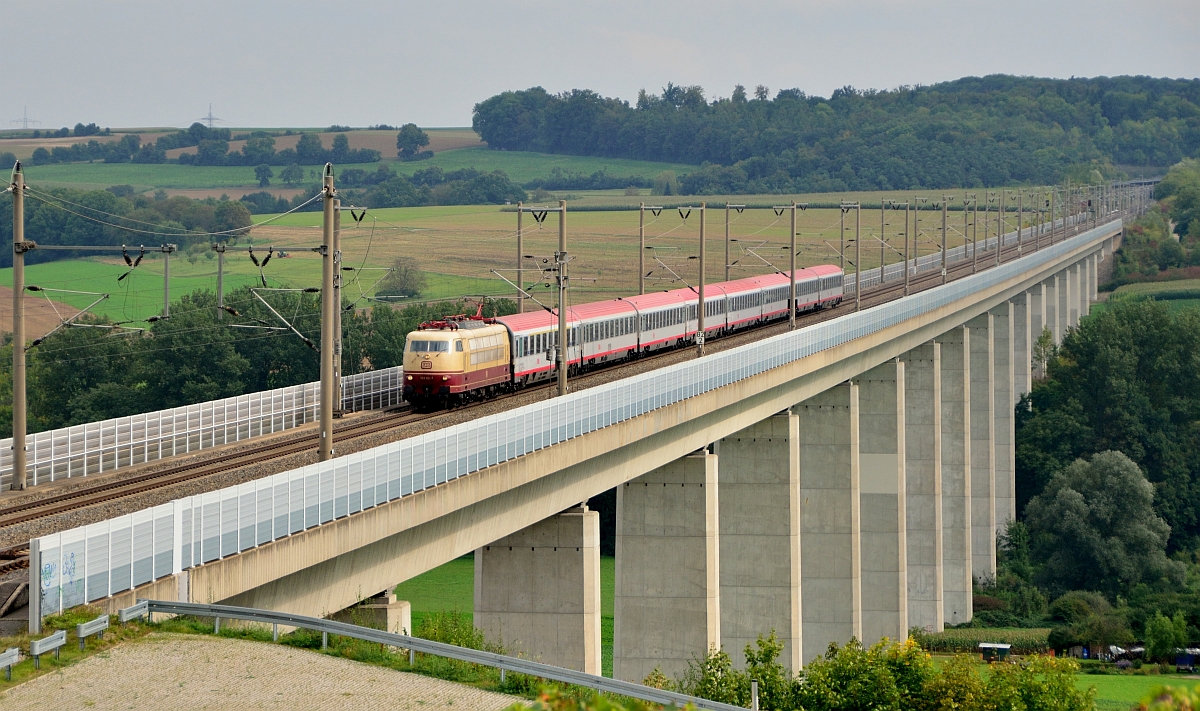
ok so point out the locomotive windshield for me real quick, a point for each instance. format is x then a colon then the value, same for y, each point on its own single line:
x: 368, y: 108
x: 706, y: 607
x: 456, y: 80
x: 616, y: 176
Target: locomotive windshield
x: 429, y: 346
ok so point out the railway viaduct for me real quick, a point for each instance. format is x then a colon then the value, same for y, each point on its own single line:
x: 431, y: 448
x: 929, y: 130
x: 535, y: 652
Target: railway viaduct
x: 843, y: 480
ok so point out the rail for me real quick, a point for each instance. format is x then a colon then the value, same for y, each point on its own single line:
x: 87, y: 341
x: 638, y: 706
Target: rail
x: 97, y: 447
x: 92, y: 562
x: 424, y: 646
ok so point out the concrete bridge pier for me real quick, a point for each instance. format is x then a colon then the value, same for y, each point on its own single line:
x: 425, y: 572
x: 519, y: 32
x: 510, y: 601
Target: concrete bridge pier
x: 1051, y: 307
x: 761, y: 540
x: 1062, y: 290
x: 1003, y: 401
x: 957, y: 556
x: 1074, y: 278
x: 538, y: 591
x: 667, y: 605
x: 1037, y: 323
x: 1023, y: 337
x: 883, y: 489
x: 830, y: 525
x: 923, y: 486
x: 983, y: 454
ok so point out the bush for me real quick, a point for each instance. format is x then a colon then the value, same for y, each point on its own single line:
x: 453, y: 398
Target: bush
x: 1169, y: 698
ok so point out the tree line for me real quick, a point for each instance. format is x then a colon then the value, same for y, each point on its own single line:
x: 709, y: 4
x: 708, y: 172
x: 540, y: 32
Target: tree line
x: 100, y: 217
x: 383, y: 187
x: 212, y: 148
x: 972, y: 132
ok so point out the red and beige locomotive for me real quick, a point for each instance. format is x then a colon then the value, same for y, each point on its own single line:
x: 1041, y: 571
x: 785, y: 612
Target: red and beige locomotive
x: 470, y: 357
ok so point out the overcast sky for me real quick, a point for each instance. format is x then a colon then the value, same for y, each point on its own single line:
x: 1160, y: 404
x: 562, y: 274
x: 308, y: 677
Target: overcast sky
x: 359, y: 62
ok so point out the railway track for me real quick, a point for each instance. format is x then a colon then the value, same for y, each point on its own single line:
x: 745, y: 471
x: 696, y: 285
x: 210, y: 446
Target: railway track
x: 17, y: 557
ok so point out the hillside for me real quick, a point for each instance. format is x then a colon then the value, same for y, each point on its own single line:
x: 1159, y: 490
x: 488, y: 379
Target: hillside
x: 972, y: 132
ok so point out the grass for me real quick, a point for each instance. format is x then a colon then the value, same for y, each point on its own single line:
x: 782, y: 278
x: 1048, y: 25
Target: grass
x: 520, y: 166
x: 1120, y: 691
x: 140, y: 295
x: 451, y: 588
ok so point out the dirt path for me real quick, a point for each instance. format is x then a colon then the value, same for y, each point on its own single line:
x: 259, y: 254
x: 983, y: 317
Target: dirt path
x: 40, y: 315
x: 182, y: 672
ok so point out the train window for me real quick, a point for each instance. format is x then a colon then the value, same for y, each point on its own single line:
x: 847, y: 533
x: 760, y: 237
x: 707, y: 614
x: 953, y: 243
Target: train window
x: 458, y: 346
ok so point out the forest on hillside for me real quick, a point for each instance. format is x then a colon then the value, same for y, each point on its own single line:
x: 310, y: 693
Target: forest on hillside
x: 972, y: 132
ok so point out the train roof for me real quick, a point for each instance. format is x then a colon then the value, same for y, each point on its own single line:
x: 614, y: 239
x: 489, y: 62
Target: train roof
x: 826, y: 269
x: 534, y: 320
x: 660, y: 299
x: 601, y: 309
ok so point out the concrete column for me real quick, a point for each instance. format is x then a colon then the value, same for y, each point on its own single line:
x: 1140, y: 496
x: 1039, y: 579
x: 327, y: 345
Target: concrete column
x: 1051, y: 305
x: 1075, y: 293
x: 383, y: 612
x: 538, y: 591
x: 667, y: 603
x: 983, y: 453
x: 1037, y: 322
x: 830, y: 530
x: 923, y: 485
x: 882, y: 489
x: 956, y: 475
x: 1022, y: 342
x: 1004, y: 401
x: 1062, y: 290
x: 1095, y: 280
x: 1089, y: 296
x: 760, y: 537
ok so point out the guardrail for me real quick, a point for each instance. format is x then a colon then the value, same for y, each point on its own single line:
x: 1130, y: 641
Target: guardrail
x: 424, y: 646
x: 97, y: 447
x: 93, y: 562
x: 8, y: 658
x: 53, y: 643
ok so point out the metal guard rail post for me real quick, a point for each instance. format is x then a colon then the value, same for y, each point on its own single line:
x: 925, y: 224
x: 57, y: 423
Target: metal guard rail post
x: 416, y: 644
x: 8, y: 658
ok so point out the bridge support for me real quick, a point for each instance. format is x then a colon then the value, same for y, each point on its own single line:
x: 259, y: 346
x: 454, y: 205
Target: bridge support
x: 923, y: 485
x: 538, y: 591
x: 1062, y: 290
x: 884, y: 522
x: 1075, y: 293
x: 830, y: 532
x: 1004, y: 402
x: 1022, y: 337
x: 956, y: 475
x: 1050, y: 303
x: 761, y: 538
x: 1037, y: 324
x: 983, y: 454
x: 667, y: 601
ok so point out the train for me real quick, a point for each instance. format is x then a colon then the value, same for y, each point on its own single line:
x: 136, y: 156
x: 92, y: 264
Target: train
x: 464, y: 358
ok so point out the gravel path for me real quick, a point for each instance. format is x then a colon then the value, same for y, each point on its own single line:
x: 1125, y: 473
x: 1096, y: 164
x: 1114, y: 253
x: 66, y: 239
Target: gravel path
x: 181, y: 672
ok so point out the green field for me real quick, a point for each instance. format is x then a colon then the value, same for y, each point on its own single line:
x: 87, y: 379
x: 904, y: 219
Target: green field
x: 1118, y: 692
x: 140, y: 295
x: 451, y: 588
x: 520, y: 166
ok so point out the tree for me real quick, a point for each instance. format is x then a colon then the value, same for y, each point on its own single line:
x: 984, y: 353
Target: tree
x: 405, y: 279
x: 341, y: 148
x: 264, y: 175
x: 1164, y: 635
x: 1094, y: 528
x: 292, y: 174
x: 410, y: 140
x: 309, y: 150
x: 1044, y: 350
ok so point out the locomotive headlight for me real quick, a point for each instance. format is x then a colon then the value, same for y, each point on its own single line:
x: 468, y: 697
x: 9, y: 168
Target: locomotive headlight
x: 409, y: 377
x: 445, y: 377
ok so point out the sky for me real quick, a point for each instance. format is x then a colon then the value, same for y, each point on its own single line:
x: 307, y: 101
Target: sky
x: 124, y: 63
